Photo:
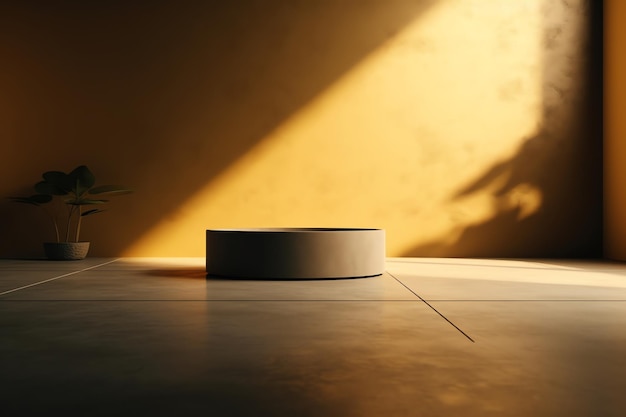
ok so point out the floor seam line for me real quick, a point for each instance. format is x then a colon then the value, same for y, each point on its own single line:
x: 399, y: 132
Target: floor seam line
x: 268, y: 300
x: 210, y: 300
x: 57, y: 277
x: 432, y: 308
x: 526, y: 300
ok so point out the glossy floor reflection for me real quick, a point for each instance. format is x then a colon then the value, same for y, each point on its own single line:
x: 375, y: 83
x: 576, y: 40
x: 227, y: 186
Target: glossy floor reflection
x: 156, y: 337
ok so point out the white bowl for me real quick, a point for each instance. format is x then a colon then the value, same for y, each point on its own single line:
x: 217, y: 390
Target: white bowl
x: 295, y: 253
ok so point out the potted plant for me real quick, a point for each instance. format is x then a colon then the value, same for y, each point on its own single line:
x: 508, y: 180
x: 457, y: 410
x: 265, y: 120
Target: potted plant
x: 75, y: 191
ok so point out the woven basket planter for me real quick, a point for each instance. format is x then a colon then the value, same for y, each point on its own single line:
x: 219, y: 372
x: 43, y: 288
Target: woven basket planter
x: 66, y: 251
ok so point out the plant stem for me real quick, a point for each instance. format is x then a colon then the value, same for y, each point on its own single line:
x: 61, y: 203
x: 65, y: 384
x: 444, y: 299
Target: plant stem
x: 80, y: 217
x: 54, y: 222
x: 69, y: 221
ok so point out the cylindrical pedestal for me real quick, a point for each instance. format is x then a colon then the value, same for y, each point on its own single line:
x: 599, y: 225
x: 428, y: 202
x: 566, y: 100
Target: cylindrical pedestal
x: 295, y: 253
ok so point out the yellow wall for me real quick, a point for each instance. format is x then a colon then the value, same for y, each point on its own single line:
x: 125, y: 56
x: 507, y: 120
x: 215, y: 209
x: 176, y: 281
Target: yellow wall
x: 462, y: 128
x: 615, y: 130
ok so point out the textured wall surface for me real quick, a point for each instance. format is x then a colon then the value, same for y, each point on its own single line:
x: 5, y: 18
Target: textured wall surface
x: 463, y: 128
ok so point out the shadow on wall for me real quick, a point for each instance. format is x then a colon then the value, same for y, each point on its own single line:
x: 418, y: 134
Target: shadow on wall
x: 161, y: 97
x: 561, y: 163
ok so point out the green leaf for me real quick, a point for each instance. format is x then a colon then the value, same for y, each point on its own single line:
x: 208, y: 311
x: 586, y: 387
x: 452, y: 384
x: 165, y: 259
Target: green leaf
x: 110, y: 189
x: 84, y: 201
x: 92, y: 211
x: 35, y: 200
x: 41, y: 198
x: 82, y: 179
x: 49, y: 188
x: 24, y: 200
x: 58, y: 179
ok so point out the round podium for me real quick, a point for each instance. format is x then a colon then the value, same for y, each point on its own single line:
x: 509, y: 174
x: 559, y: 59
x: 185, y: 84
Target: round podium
x: 295, y: 253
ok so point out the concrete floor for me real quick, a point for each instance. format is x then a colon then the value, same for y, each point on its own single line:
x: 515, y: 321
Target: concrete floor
x: 431, y: 337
